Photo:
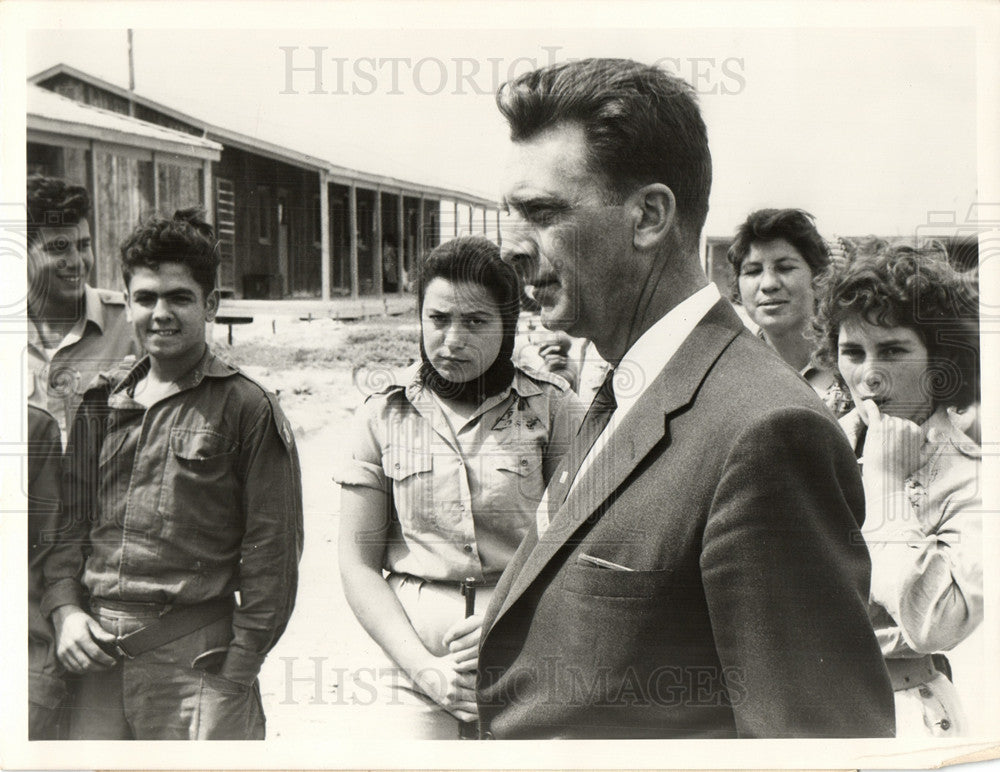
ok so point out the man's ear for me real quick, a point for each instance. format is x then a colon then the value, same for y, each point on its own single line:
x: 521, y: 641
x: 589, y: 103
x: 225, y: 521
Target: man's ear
x: 212, y: 305
x: 654, y: 210
x: 128, y: 307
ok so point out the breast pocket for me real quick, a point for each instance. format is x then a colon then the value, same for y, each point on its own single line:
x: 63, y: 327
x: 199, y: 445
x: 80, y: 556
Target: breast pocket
x: 514, y: 479
x: 411, y: 473
x: 200, y: 487
x: 612, y: 583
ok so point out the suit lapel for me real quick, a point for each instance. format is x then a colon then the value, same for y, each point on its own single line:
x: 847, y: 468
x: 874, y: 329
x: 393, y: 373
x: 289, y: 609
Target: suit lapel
x: 645, y: 425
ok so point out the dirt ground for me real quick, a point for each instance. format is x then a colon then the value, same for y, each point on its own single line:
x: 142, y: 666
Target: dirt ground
x: 307, y: 681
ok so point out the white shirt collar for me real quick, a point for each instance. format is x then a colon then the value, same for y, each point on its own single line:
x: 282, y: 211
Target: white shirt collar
x: 656, y: 346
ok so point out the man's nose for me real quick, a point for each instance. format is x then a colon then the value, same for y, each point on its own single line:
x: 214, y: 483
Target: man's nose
x: 72, y: 258
x: 161, y: 309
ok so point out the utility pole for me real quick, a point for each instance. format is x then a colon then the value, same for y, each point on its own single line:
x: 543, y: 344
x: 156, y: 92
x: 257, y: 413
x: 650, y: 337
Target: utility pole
x: 131, y: 75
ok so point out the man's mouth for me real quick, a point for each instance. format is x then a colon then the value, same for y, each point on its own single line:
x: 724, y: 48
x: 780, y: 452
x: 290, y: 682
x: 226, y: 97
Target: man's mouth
x: 164, y: 333
x: 540, y: 285
x: 771, y: 303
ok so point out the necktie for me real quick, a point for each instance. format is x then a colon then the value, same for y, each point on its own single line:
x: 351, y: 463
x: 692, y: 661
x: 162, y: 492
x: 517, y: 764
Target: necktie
x: 593, y: 424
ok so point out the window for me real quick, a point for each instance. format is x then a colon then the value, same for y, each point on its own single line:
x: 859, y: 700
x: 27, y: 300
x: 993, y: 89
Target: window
x: 263, y: 214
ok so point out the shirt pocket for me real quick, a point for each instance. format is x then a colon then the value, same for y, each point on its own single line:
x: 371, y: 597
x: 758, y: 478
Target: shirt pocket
x: 411, y: 472
x: 200, y: 489
x: 514, y: 481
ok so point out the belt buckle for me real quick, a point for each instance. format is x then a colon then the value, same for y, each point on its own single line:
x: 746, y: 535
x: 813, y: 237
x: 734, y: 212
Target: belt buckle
x: 122, y: 651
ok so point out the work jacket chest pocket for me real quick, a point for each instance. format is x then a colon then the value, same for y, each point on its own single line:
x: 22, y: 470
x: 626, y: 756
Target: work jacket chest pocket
x: 411, y: 475
x: 200, y: 489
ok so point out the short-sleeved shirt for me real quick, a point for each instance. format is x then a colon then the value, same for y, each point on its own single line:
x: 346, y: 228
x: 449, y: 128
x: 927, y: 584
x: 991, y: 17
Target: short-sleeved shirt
x: 101, y: 339
x: 461, y: 500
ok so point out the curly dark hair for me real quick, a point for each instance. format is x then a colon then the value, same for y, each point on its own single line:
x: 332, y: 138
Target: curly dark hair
x: 185, y: 238
x: 899, y: 285
x: 54, y: 202
x: 796, y: 226
x: 642, y: 125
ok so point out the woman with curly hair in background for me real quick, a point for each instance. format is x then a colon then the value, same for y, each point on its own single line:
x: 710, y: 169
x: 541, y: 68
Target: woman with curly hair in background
x: 898, y: 324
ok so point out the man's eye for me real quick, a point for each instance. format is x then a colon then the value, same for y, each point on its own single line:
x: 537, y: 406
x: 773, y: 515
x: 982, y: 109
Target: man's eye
x: 852, y: 354
x: 542, y: 217
x: 56, y: 246
x: 750, y: 270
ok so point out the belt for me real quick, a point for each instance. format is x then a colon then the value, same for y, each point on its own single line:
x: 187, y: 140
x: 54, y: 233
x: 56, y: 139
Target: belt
x: 907, y: 673
x: 174, y: 622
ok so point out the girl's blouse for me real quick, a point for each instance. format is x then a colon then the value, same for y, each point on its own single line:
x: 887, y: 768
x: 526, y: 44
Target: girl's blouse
x: 459, y: 501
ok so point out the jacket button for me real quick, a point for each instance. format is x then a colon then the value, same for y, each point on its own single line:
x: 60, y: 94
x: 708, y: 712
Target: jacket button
x: 945, y: 724
x: 468, y: 548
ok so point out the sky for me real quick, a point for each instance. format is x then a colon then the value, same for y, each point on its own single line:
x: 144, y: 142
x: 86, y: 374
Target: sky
x: 870, y: 128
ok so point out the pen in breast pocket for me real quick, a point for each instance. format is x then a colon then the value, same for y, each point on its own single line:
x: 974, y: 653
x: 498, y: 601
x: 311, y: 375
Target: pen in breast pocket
x: 602, y: 563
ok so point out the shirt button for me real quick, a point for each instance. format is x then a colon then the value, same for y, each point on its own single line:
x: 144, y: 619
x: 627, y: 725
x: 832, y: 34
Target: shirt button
x: 925, y: 692
x: 524, y: 462
x: 396, y: 465
x: 468, y: 548
x: 945, y: 724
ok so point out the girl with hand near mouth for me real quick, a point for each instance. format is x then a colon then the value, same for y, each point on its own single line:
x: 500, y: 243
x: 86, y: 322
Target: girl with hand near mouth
x: 446, y: 471
x: 898, y: 324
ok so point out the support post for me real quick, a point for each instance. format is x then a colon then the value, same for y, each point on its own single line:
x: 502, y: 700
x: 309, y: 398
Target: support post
x: 378, y: 241
x: 353, y: 216
x: 401, y: 242
x: 324, y: 237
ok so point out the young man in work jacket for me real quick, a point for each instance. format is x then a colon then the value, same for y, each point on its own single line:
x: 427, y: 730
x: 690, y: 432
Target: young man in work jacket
x: 182, y: 488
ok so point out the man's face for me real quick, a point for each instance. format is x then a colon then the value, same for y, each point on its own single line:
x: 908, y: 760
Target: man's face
x: 59, y: 261
x: 579, y: 278
x: 169, y: 310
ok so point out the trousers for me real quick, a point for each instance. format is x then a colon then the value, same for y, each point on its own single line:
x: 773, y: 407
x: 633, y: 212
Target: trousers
x: 160, y: 695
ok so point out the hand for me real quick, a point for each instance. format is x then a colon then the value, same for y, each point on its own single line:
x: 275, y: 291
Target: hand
x: 450, y: 680
x: 77, y: 636
x: 892, y: 448
x: 554, y: 359
x: 462, y: 639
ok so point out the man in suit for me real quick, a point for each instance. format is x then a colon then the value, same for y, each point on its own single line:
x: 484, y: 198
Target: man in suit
x: 697, y: 571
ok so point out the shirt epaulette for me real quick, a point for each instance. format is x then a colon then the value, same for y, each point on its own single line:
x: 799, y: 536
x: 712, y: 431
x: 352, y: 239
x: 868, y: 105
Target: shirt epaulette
x: 388, y: 391
x: 281, y: 421
x: 551, y: 378
x: 111, y: 297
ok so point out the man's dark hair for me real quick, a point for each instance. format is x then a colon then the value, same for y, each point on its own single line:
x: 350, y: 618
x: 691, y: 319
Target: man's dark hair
x: 642, y: 126
x: 795, y: 226
x: 53, y: 203
x: 899, y: 285
x: 185, y: 238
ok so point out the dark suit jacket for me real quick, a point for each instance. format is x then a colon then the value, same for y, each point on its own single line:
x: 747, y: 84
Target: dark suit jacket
x: 736, y: 499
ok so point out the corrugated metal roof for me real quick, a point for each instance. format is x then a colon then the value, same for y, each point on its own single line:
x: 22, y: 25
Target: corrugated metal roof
x: 51, y: 112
